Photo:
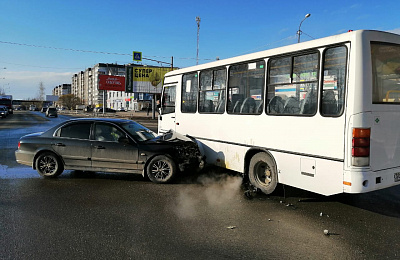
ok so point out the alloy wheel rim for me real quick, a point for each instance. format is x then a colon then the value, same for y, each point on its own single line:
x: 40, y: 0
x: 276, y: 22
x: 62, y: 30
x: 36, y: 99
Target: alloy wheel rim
x: 47, y: 165
x: 161, y: 170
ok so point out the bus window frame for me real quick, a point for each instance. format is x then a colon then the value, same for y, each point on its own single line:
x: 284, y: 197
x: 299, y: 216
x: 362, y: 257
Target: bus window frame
x: 263, y: 88
x: 374, y: 74
x: 345, y: 83
x: 162, y: 100
x: 292, y: 56
x: 183, y: 85
x: 221, y: 90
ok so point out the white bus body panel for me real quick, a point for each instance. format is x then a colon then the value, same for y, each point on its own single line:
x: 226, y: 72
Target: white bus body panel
x: 227, y: 138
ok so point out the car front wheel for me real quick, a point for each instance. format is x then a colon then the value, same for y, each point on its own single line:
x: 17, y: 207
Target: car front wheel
x: 49, y: 165
x: 161, y: 169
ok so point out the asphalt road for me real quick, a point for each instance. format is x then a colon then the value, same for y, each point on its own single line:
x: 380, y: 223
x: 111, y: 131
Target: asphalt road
x: 201, y: 216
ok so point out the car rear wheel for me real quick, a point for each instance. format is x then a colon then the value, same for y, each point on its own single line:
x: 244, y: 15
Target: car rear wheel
x: 161, y: 169
x: 49, y: 165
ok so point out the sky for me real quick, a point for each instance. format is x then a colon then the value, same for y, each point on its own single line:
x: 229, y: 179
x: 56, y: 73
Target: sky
x: 49, y: 41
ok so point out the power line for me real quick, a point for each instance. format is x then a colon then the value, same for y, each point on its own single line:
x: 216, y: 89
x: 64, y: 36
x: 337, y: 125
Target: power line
x: 308, y: 35
x: 263, y: 47
x: 88, y: 51
x: 64, y: 49
x: 35, y: 66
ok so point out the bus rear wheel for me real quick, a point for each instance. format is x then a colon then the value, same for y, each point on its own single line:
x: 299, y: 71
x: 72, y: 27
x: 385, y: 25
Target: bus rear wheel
x: 262, y: 173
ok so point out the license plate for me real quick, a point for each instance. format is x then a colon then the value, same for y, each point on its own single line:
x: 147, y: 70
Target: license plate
x: 397, y: 176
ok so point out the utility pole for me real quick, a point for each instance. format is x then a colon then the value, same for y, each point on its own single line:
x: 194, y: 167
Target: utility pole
x: 198, y: 34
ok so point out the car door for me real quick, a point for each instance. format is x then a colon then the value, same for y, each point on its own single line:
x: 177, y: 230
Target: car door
x: 111, y: 150
x: 72, y: 143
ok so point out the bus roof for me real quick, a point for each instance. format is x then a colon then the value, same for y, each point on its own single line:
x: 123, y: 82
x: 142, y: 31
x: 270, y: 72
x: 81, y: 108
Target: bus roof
x: 348, y: 36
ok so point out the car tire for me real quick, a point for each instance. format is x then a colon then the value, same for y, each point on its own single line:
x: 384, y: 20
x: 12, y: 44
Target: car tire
x: 48, y: 165
x: 161, y: 169
x: 262, y: 173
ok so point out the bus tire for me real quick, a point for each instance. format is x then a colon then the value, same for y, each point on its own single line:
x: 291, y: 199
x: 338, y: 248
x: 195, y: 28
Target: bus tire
x: 262, y: 173
x: 161, y: 169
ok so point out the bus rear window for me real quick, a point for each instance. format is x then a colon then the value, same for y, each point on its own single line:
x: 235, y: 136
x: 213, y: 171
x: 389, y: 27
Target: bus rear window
x: 385, y: 73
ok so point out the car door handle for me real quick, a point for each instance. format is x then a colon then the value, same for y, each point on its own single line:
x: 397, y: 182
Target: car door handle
x: 59, y: 144
x: 99, y: 147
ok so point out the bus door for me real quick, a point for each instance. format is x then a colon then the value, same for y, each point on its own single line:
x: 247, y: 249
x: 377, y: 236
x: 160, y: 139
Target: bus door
x: 167, y: 120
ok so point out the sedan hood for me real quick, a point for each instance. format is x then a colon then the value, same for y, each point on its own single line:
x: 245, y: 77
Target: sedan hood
x: 172, y: 136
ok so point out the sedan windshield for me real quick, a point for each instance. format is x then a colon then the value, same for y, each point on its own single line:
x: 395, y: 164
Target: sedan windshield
x: 139, y: 132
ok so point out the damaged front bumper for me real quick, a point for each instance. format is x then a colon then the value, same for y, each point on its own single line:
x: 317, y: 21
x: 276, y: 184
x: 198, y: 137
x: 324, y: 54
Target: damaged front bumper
x: 187, y: 151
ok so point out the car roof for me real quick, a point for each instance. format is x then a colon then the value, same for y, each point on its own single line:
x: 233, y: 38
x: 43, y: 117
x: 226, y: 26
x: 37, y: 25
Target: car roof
x: 95, y: 119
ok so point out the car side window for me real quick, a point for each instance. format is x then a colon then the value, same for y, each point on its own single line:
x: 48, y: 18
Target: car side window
x: 76, y: 130
x: 107, y: 133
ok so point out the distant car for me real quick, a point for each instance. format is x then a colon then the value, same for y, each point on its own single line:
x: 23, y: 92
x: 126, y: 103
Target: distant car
x: 51, y: 111
x: 3, y: 111
x: 43, y: 110
x: 88, y: 109
x: 100, y: 109
x: 121, y: 109
x: 110, y: 145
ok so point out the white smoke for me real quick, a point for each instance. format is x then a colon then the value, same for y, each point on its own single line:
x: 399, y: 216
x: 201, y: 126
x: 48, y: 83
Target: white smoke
x: 215, y: 192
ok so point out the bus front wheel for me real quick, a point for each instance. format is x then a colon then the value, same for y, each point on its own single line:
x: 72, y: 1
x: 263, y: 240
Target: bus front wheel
x: 262, y: 173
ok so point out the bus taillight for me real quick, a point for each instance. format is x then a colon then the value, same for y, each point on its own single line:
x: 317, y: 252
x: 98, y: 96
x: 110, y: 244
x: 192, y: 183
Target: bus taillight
x: 360, y: 146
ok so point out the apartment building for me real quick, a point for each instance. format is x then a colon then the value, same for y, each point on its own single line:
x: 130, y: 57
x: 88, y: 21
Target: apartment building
x: 146, y: 84
x: 62, y: 89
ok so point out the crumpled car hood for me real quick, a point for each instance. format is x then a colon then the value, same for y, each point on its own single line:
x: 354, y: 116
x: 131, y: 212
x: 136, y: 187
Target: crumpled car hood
x: 172, y: 136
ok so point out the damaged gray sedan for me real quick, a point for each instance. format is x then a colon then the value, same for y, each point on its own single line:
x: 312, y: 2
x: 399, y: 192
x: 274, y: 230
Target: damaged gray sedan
x: 109, y: 145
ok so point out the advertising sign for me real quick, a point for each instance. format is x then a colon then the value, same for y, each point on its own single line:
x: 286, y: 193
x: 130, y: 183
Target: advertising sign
x: 110, y: 82
x: 145, y: 79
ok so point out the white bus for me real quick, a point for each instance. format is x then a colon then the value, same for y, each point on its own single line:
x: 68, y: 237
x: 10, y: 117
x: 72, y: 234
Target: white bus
x: 323, y: 115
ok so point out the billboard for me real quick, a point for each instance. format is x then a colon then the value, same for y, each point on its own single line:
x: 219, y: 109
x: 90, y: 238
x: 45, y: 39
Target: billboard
x: 145, y: 79
x: 51, y: 98
x: 110, y: 82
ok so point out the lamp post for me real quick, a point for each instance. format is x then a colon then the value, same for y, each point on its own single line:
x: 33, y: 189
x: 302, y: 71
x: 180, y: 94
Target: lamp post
x: 299, y: 31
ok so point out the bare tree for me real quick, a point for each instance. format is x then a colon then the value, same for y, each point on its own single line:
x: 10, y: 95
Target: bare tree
x: 69, y: 100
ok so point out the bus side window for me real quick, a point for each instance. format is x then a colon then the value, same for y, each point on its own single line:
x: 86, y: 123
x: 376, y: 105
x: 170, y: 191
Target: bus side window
x: 333, y: 88
x: 189, y: 93
x: 292, y: 85
x: 246, y: 88
x: 212, y: 91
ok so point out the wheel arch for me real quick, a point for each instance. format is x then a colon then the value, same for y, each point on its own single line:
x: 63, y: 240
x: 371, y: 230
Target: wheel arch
x: 41, y: 151
x: 148, y: 160
x: 253, y: 151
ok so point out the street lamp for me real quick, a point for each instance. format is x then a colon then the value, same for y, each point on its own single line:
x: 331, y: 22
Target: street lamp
x: 299, y: 31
